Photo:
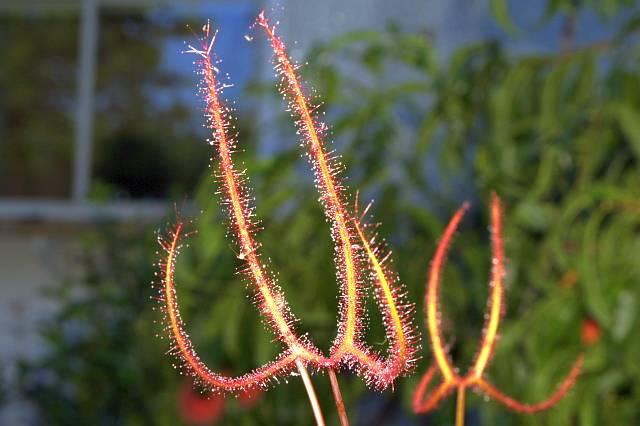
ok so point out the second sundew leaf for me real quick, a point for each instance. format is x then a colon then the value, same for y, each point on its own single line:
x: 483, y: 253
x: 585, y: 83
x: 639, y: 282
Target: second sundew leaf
x: 325, y: 172
x: 351, y: 246
x: 427, y: 396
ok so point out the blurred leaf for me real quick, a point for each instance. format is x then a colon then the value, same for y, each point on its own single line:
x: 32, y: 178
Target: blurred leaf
x: 500, y: 9
x: 629, y: 121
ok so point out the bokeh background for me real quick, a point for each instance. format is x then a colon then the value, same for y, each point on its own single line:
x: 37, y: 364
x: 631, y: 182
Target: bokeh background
x: 431, y: 102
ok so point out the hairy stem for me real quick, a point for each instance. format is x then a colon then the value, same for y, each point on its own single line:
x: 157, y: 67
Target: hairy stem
x: 460, y: 403
x: 311, y: 393
x: 337, y: 396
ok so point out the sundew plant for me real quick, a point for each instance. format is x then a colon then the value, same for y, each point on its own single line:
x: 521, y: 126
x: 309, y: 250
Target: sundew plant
x: 424, y: 401
x: 362, y: 265
x: 360, y: 261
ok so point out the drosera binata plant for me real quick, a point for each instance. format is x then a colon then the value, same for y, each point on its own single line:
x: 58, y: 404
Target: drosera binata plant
x: 360, y: 261
x: 424, y: 401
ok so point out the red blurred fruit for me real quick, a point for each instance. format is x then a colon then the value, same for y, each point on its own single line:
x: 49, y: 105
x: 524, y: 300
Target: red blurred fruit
x: 591, y: 331
x: 198, y: 409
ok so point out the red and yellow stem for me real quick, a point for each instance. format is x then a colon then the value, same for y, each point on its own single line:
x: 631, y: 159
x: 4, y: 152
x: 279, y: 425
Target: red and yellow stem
x: 496, y: 298
x: 440, y: 353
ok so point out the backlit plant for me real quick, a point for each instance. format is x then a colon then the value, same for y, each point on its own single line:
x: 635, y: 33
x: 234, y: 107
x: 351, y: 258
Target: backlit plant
x: 359, y: 261
x: 358, y: 258
x: 451, y: 380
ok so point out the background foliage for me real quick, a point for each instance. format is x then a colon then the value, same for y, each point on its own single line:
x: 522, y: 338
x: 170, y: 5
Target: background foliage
x: 556, y: 134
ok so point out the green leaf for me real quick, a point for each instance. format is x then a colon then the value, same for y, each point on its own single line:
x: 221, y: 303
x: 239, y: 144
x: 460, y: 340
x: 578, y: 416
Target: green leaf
x: 624, y: 315
x: 629, y: 121
x: 534, y: 215
x: 629, y: 28
x: 500, y: 9
x: 608, y: 8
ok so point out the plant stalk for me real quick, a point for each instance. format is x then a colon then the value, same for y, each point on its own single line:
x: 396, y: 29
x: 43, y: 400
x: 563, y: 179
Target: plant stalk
x: 311, y: 393
x: 337, y: 396
x: 460, y: 403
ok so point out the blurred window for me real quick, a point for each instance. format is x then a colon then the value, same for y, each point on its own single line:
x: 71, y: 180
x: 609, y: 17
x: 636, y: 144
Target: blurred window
x: 145, y: 129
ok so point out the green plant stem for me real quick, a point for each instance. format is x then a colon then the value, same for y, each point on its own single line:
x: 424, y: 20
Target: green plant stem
x: 311, y: 393
x: 337, y: 396
x: 460, y: 403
